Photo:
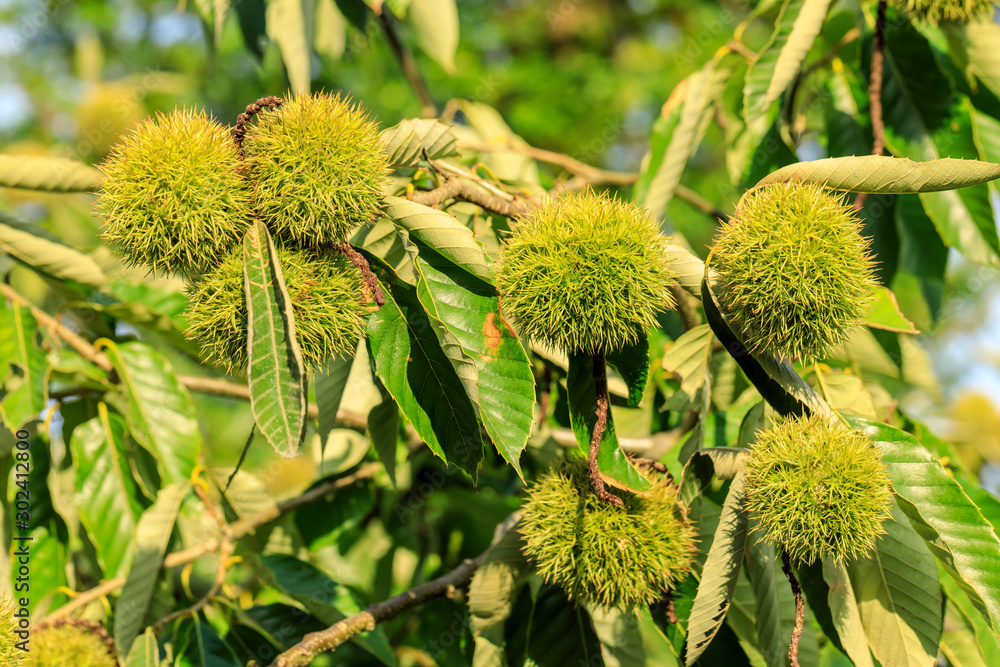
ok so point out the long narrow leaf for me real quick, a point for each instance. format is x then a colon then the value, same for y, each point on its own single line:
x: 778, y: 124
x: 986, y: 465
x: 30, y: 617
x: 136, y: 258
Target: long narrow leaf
x: 275, y: 372
x: 410, y: 363
x: 721, y: 572
x: 47, y: 174
x: 152, y: 538
x: 942, y: 513
x: 470, y: 311
x: 778, y: 64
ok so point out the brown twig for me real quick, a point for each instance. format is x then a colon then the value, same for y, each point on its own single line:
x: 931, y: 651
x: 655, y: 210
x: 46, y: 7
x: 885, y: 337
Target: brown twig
x: 214, y: 386
x: 406, y: 60
x: 601, y: 390
x: 315, y: 643
x: 372, y: 289
x: 875, y: 92
x: 240, y: 130
x: 585, y: 174
x: 460, y: 188
x: 238, y: 530
x: 800, y: 609
x: 671, y: 612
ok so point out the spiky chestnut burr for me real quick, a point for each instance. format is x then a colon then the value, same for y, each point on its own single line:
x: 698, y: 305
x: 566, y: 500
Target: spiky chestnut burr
x: 817, y: 489
x: 327, y: 303
x: 600, y: 553
x: 585, y: 273
x: 10, y: 654
x: 793, y: 270
x: 945, y: 11
x: 317, y: 168
x: 71, y: 642
x: 172, y: 197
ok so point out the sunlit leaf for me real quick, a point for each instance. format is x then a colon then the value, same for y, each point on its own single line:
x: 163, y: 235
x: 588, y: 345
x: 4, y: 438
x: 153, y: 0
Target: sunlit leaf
x: 151, y: 539
x: 161, y: 414
x: 106, y: 495
x: 469, y: 309
x: 42, y: 250
x: 720, y: 573
x: 47, y: 174
x: 942, y: 513
x: 779, y: 62
x: 899, y: 597
x: 275, y: 370
x: 410, y: 363
x: 416, y: 139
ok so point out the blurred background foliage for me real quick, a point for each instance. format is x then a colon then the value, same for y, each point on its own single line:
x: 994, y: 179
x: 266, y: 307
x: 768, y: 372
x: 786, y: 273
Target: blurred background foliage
x: 586, y: 78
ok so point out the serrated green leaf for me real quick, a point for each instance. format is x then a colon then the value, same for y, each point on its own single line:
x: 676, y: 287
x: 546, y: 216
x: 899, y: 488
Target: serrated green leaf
x: 632, y: 364
x: 106, y: 495
x: 845, y: 614
x: 774, y: 611
x: 706, y: 465
x: 942, y: 514
x: 986, y: 640
x: 288, y: 25
x: 145, y: 651
x: 492, y: 593
x: 630, y: 638
x: 325, y: 599
x: 846, y: 393
x: 981, y: 52
x: 23, y: 366
x: 884, y: 313
x: 436, y: 229
x: 688, y: 268
x: 410, y: 363
x: 435, y: 24
x: 275, y: 372
x: 416, y: 139
x: 42, y: 250
x: 611, y: 460
x: 504, y: 388
x: 206, y: 649
x: 778, y: 64
x: 151, y: 539
x: 47, y: 174
x: 720, y: 573
x: 677, y: 134
x: 776, y: 381
x: 689, y: 358
x: 161, y: 414
x: 899, y: 597
x: 384, y: 241
x: 878, y: 173
x: 924, y: 120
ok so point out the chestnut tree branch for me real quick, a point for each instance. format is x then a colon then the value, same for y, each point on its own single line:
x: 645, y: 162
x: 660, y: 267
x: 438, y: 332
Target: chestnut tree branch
x: 466, y: 190
x: 237, y: 530
x: 601, y: 390
x: 315, y: 643
x: 214, y: 386
x: 800, y: 609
